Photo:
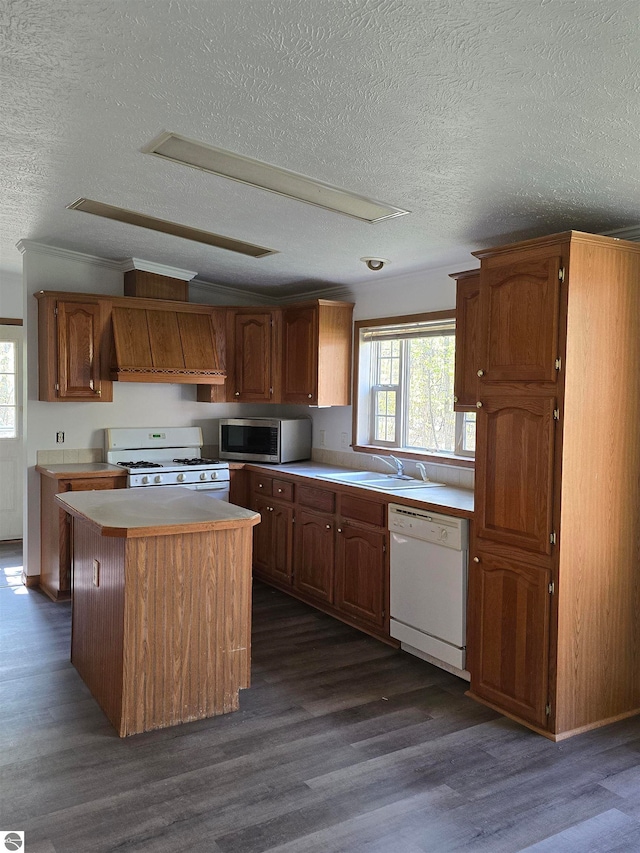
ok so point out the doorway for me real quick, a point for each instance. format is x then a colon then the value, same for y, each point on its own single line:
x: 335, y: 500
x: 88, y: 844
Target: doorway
x: 11, y: 431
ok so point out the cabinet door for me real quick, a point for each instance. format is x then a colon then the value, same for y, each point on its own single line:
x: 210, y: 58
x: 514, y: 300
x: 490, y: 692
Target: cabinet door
x: 314, y: 555
x: 520, y: 306
x: 262, y: 535
x: 514, y: 471
x: 508, y: 635
x: 282, y: 541
x: 300, y: 355
x: 79, y: 350
x: 252, y: 366
x: 360, y: 573
x: 468, y: 339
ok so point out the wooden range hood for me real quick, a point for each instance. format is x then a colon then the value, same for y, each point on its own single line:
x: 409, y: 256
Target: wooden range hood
x: 161, y: 340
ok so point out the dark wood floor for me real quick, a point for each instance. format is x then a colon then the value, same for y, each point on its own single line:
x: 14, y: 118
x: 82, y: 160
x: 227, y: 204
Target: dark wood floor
x: 342, y: 745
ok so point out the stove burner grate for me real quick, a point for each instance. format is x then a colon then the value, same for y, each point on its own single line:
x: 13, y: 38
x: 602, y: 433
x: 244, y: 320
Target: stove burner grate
x: 196, y: 461
x: 140, y: 464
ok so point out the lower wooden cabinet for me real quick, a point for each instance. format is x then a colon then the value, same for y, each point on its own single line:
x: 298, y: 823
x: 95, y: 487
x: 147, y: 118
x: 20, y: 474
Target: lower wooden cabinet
x: 509, y: 635
x: 360, y: 573
x: 314, y: 552
x: 272, y: 540
x: 325, y: 547
x: 55, y: 529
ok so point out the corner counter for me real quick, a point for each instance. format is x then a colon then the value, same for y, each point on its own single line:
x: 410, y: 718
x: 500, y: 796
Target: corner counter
x: 161, y: 629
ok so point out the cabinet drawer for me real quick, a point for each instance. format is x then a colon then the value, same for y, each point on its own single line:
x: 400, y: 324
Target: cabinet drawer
x: 261, y: 485
x: 314, y: 498
x: 360, y: 509
x: 282, y: 489
x: 94, y: 484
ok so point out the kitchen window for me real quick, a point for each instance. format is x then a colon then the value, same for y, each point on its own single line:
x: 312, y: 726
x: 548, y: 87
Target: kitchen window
x: 404, y: 387
x: 8, y: 401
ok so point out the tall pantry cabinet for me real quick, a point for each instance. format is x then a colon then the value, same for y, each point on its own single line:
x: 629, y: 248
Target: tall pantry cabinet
x: 554, y: 578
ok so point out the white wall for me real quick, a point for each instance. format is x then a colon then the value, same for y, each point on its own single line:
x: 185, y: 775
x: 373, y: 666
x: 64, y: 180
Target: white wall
x: 11, y: 300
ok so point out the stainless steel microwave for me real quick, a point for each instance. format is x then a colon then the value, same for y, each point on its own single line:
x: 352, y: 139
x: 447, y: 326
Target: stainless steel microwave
x: 275, y: 440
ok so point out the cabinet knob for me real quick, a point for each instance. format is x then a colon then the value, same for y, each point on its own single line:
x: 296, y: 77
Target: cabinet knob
x: 270, y: 508
x: 260, y: 485
x: 328, y: 526
x: 481, y: 373
x: 339, y: 530
x: 279, y: 491
x: 310, y: 396
x: 99, y: 392
x: 237, y: 394
x: 476, y: 559
x: 479, y: 404
x: 455, y: 399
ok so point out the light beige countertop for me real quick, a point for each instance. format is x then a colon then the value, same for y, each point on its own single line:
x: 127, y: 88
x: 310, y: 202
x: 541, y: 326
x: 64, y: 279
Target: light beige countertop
x: 71, y: 470
x: 154, y: 511
x: 451, y: 499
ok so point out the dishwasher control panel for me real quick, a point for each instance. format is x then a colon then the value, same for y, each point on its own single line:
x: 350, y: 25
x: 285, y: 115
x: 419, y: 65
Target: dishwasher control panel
x: 429, y: 526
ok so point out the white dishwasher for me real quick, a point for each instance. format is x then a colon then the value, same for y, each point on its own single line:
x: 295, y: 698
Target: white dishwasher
x: 429, y: 555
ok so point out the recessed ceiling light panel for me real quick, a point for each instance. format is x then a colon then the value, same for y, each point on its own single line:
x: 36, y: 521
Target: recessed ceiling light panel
x: 131, y: 217
x: 226, y: 164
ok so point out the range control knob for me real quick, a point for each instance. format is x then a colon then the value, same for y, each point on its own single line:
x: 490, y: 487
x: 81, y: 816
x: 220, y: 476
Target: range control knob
x: 145, y: 480
x: 203, y: 476
x: 181, y: 478
x: 157, y: 478
x: 214, y: 475
x: 443, y: 535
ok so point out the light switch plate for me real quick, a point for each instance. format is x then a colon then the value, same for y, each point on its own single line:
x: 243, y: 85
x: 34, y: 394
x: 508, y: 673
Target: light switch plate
x: 96, y: 573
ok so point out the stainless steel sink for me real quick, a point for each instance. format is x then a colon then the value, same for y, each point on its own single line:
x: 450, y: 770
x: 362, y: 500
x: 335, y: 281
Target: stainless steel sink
x: 374, y: 480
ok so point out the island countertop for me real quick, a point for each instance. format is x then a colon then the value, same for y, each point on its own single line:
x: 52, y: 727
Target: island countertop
x: 154, y: 511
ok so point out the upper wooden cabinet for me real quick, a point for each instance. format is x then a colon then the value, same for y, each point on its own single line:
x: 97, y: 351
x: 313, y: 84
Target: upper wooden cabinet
x: 514, y: 464
x: 252, y: 347
x: 554, y: 598
x: 316, y: 353
x: 468, y: 341
x: 74, y: 334
x: 300, y: 354
x: 520, y: 304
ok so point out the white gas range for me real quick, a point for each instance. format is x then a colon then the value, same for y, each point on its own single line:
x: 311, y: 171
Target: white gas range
x: 168, y: 457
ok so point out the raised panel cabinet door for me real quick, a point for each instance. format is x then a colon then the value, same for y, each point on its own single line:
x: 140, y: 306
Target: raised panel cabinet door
x: 79, y: 343
x: 282, y: 542
x: 468, y: 340
x: 508, y: 636
x: 520, y: 307
x: 360, y: 573
x: 300, y: 355
x: 314, y: 555
x: 252, y: 373
x: 514, y: 471
x: 262, y: 535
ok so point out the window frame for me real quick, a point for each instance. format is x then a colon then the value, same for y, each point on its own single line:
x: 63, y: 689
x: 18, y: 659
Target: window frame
x: 362, y: 393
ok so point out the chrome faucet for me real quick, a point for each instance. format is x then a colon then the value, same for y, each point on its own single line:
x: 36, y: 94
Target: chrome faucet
x: 398, y: 463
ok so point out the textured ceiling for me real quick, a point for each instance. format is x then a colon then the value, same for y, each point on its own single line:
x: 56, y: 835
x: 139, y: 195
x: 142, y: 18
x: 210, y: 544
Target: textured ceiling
x: 489, y: 120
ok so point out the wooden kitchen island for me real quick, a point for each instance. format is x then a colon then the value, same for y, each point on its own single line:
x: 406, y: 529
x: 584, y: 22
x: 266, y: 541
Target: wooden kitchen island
x: 161, y: 626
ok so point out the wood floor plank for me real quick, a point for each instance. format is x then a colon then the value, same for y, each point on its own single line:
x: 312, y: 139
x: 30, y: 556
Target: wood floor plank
x: 341, y: 745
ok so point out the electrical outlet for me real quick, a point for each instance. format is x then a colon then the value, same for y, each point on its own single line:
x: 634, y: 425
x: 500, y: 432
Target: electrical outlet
x: 323, y: 438
x: 59, y: 438
x: 344, y: 440
x: 96, y: 573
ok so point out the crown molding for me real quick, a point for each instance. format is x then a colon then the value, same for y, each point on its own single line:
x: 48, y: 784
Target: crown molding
x: 233, y: 293
x: 25, y: 246
x: 631, y: 233
x: 158, y: 269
